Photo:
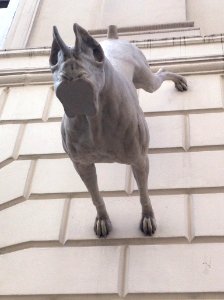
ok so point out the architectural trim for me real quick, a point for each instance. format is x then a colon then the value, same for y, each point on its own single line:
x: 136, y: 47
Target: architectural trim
x: 138, y: 29
x: 11, y: 74
x: 179, y: 41
x: 186, y: 66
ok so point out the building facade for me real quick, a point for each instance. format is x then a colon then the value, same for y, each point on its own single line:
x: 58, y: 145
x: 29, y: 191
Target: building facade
x: 48, y: 249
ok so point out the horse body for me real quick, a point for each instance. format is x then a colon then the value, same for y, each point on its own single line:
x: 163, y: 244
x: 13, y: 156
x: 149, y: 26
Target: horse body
x: 103, y: 121
x: 117, y: 133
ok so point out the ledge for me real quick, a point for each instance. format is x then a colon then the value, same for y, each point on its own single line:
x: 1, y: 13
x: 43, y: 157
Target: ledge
x: 208, y: 39
x: 146, y: 27
x: 184, y: 66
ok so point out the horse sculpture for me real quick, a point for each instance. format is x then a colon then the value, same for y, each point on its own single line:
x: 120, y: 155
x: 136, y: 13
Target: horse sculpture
x: 103, y: 122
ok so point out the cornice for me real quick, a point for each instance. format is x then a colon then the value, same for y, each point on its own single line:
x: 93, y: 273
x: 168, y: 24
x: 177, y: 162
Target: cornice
x: 145, y: 28
x: 144, y: 44
x: 185, y: 66
x: 30, y: 66
x: 24, y: 52
x: 180, y: 41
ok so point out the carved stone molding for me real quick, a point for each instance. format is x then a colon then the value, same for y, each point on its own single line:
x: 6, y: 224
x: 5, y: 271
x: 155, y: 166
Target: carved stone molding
x: 139, y: 29
x: 31, y: 66
x: 186, y: 66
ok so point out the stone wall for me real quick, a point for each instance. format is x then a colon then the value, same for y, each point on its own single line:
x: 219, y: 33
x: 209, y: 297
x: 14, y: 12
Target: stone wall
x: 47, y: 242
x: 32, y: 24
x: 47, y: 246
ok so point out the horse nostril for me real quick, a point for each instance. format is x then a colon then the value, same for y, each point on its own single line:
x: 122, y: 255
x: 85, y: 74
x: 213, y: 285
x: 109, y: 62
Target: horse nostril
x: 65, y: 76
x: 82, y: 74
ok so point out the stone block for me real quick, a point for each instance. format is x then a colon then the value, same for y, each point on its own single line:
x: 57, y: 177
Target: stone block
x: 206, y: 129
x: 42, y: 138
x: 176, y: 268
x: 13, y: 179
x: 186, y: 170
x: 57, y: 271
x: 38, y: 59
x: 159, y: 53
x: 2, y: 98
x: 125, y: 214
x: 25, y: 102
x: 8, y: 134
x: 100, y: 14
x: 204, y: 92
x: 167, y: 171
x: 59, y: 176
x: 166, y: 131
x: 48, y: 16
x: 197, y: 10
x: 32, y: 220
x: 157, y: 35
x: 56, y: 109
x: 207, y: 215
x: 151, y: 12
x: 180, y: 50
x: 201, y: 50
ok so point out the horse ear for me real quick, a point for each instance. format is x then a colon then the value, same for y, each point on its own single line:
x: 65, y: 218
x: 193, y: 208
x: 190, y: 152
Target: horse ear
x: 54, y: 52
x: 57, y: 45
x: 83, y: 40
x: 83, y: 36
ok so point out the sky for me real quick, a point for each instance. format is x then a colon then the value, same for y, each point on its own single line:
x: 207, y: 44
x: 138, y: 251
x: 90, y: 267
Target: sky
x: 6, y: 17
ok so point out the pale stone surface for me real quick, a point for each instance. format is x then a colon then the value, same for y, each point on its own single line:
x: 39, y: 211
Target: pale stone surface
x: 166, y: 131
x: 22, y: 22
x: 56, y: 176
x: 56, y: 109
x: 169, y: 268
x: 2, y: 99
x: 158, y: 34
x: 15, y: 62
x: 42, y: 138
x: 204, y: 92
x: 100, y: 14
x: 152, y: 53
x: 151, y: 12
x: 59, y: 176
x: 202, y: 50
x: 181, y: 49
x: 8, y: 134
x: 138, y: 296
x: 197, y: 10
x: 49, y: 15
x: 81, y: 270
x: 40, y: 58
x: 32, y: 220
x: 25, y: 102
x: 207, y: 215
x: 125, y: 213
x: 167, y: 171
x: 13, y: 178
x: 186, y: 170
x: 206, y: 129
x: 176, y: 268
